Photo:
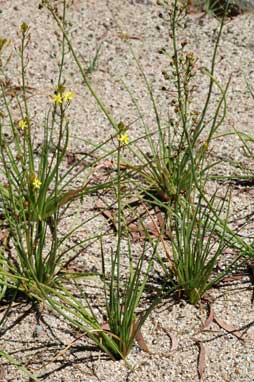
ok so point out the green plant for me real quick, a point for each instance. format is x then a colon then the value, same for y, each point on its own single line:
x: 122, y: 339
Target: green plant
x: 179, y: 148
x: 36, y: 190
x: 123, y: 298
x: 197, y: 245
x: 122, y: 321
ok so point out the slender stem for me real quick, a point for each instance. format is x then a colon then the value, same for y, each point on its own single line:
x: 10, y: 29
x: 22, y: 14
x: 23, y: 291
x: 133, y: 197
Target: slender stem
x: 82, y: 71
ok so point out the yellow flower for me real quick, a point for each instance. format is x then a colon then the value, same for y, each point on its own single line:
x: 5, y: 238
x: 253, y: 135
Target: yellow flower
x: 124, y: 138
x: 36, y: 183
x: 57, y: 98
x: 23, y: 124
x: 68, y: 96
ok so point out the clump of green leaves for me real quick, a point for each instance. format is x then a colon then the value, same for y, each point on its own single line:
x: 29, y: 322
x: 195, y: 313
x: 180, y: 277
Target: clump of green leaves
x: 179, y: 148
x: 198, y: 241
x: 167, y: 170
x: 123, y: 293
x: 36, y: 187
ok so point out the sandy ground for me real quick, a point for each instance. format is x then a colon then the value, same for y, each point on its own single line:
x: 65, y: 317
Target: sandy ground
x: 172, y: 331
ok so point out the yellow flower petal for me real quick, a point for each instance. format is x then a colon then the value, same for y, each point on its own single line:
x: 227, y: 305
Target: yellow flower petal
x: 68, y: 96
x: 57, y: 98
x: 124, y: 138
x: 22, y: 124
x: 36, y: 183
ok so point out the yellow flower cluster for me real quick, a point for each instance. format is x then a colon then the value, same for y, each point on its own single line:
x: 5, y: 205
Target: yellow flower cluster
x: 59, y: 98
